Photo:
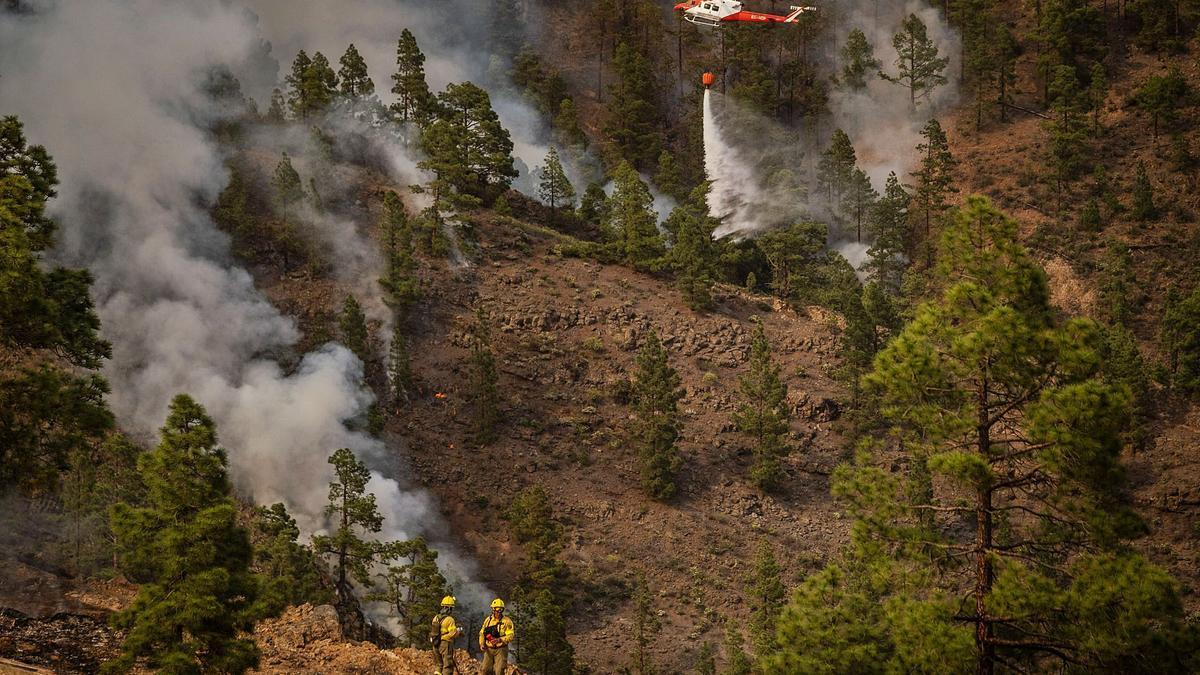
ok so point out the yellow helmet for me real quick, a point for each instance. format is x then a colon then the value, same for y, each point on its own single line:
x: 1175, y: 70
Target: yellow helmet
x: 497, y: 604
x: 448, y: 601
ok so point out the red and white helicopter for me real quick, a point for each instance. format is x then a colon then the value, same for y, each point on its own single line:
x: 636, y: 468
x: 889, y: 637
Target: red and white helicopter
x: 718, y: 12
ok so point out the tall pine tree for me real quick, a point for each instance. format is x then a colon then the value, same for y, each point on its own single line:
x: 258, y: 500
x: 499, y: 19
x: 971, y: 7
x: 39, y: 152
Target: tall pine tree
x: 188, y: 555
x: 354, y: 517
x: 763, y: 417
x: 656, y: 395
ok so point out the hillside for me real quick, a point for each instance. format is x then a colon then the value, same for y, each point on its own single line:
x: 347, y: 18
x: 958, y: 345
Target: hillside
x: 973, y: 473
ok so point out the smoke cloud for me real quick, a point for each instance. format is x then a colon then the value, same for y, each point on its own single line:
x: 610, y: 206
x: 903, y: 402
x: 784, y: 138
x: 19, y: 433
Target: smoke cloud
x: 113, y: 88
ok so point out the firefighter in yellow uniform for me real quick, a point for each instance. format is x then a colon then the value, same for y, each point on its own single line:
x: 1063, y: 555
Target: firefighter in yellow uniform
x: 442, y: 633
x: 495, y: 635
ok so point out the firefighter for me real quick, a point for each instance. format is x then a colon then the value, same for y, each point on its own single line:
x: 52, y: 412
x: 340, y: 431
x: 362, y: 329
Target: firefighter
x: 494, y: 637
x: 442, y: 633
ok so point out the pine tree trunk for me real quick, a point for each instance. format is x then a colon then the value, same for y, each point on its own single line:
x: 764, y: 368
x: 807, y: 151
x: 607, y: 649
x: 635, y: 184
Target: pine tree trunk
x: 985, y: 649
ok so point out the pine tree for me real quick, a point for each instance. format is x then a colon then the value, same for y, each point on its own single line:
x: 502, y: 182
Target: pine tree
x: 669, y: 177
x: 1117, y: 285
x: 793, y: 253
x: 98, y: 475
x: 694, y: 255
x: 400, y: 375
x: 634, y: 123
x: 1144, y: 208
x: 353, y: 325
x: 355, y: 81
x: 935, y: 177
x: 764, y: 415
x: 466, y: 145
x: 1162, y: 96
x: 401, y: 284
x: 1180, y: 338
x: 1068, y: 128
x: 858, y: 61
x: 414, y: 588
x: 555, y: 188
x: 1097, y: 93
x: 539, y: 596
x: 289, y: 190
x: 645, y: 625
x: 736, y: 660
x: 631, y: 222
x: 593, y: 207
x: 836, y: 168
x: 656, y: 395
x: 312, y: 84
x: 484, y: 380
x: 918, y: 66
x: 413, y: 98
x: 706, y: 660
x: 277, y: 113
x: 889, y: 226
x: 354, y: 516
x: 766, y: 594
x: 859, y: 200
x: 188, y: 555
x: 1005, y: 51
x: 289, y: 574
x: 1002, y: 539
x: 566, y: 123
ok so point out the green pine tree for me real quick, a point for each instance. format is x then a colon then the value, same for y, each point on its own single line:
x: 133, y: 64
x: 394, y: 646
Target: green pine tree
x: 414, y: 101
x: 858, y: 61
x: 400, y: 376
x: 354, y: 516
x: 353, y: 325
x: 466, y: 145
x: 1002, y: 538
x: 485, y: 377
x: 401, y: 284
x: 631, y: 222
x: 555, y: 188
x: 593, y: 207
x: 188, y: 555
x: 311, y: 84
x: 766, y: 594
x: 656, y: 395
x: 355, y: 82
x: 1180, y: 338
x: 935, y: 178
x: 1144, y: 208
x: 414, y: 588
x: 836, y: 168
x: 859, y: 200
x: 634, y: 123
x: 694, y: 255
x: 890, y: 227
x: 918, y: 66
x: 288, y: 188
x: 288, y: 570
x: 669, y: 176
x: 763, y: 417
x: 646, y: 625
x: 540, y: 596
x: 737, y: 662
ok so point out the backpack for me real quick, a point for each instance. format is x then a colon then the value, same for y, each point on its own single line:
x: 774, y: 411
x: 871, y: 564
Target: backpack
x: 435, y: 632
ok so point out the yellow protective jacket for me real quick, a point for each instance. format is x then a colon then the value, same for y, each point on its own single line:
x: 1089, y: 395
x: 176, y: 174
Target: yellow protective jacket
x: 450, y: 629
x: 506, y: 630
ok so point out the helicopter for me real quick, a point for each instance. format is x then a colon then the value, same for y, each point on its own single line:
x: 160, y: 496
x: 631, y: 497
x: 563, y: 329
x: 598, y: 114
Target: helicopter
x: 717, y: 12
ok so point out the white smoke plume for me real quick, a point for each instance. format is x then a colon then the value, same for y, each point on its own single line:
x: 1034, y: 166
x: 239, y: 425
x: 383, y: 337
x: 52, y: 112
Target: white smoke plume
x: 879, y: 120
x: 113, y: 88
